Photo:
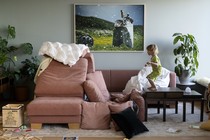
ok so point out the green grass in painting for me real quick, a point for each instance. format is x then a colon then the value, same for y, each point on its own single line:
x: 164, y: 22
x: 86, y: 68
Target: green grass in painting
x: 102, y: 33
x: 103, y: 40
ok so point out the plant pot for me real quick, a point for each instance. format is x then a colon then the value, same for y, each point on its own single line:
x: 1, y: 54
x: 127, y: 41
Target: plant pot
x: 2, y: 70
x: 185, y: 77
x: 21, y: 93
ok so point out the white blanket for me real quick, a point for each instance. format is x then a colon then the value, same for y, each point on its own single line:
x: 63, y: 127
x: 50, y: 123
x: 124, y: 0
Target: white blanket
x: 140, y: 81
x: 68, y: 54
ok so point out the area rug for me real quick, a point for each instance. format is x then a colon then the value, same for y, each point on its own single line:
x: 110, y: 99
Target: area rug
x: 173, y: 126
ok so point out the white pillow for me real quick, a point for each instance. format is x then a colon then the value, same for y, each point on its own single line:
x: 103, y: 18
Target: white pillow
x: 140, y: 81
x: 164, y: 79
x: 203, y: 81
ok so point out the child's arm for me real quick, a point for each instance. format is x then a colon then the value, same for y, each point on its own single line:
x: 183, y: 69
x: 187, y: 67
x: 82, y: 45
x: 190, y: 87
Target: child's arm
x: 152, y: 63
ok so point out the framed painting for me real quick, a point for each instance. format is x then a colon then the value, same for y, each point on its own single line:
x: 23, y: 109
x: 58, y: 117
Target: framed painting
x: 110, y: 27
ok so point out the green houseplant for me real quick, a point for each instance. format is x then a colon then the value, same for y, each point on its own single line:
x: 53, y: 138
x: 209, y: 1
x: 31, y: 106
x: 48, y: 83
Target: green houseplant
x: 7, y: 52
x: 8, y: 57
x: 28, y: 69
x: 186, y: 56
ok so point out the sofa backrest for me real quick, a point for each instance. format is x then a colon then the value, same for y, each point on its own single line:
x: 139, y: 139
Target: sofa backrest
x: 91, y: 62
x: 62, y: 80
x: 116, y: 80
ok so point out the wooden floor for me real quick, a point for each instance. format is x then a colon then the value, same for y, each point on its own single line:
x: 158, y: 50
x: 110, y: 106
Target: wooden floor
x: 134, y: 138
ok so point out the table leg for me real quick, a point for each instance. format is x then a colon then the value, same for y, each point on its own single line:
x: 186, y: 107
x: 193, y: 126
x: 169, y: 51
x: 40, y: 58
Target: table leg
x: 176, y: 107
x: 202, y: 108
x: 192, y: 107
x: 158, y: 108
x: 146, y: 110
x: 164, y: 110
x: 184, y: 111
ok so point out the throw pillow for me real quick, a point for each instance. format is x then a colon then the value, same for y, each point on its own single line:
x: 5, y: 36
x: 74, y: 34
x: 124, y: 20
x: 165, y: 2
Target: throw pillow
x: 205, y: 125
x: 95, y: 115
x: 118, y: 107
x: 129, y: 123
x: 93, y: 92
x: 97, y: 77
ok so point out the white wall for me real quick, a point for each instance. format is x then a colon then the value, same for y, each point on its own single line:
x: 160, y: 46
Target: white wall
x: 37, y: 21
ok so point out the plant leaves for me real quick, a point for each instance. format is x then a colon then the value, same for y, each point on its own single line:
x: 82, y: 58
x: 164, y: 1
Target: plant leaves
x: 11, y: 32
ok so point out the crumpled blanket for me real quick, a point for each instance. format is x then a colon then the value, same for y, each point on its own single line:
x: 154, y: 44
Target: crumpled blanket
x: 68, y: 54
x: 140, y: 81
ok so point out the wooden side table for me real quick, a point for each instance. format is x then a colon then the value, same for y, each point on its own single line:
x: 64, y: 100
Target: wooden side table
x: 173, y: 94
x: 193, y: 96
x: 162, y: 94
x: 4, y: 85
x: 191, y: 85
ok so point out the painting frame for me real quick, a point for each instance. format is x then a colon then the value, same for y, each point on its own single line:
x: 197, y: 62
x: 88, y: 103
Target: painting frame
x: 110, y: 27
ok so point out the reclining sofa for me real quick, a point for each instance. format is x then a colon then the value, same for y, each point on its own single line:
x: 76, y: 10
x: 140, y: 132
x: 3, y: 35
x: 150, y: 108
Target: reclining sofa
x: 61, y: 90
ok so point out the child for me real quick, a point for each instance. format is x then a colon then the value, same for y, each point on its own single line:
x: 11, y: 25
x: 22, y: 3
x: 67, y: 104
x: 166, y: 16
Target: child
x: 152, y: 50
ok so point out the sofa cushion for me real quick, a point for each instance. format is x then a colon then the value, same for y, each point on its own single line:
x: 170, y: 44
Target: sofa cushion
x: 45, y: 106
x: 95, y: 115
x: 129, y: 123
x: 62, y: 80
x: 97, y: 77
x: 93, y: 92
x: 118, y: 107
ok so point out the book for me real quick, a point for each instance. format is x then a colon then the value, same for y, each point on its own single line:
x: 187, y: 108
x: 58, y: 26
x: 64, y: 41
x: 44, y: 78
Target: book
x: 70, y: 138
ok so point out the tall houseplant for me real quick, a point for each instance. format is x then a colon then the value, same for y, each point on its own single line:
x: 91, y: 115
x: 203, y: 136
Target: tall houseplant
x: 8, y: 57
x: 186, y: 56
x: 7, y: 52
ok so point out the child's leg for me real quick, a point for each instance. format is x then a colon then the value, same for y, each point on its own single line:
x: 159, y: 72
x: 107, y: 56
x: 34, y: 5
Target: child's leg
x: 153, y: 87
x: 151, y: 77
x: 125, y: 98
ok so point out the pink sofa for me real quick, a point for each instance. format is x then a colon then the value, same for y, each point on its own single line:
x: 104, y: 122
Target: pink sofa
x: 60, y: 92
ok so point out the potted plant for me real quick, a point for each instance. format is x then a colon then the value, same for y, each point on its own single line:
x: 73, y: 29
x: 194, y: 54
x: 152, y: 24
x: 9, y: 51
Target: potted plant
x: 186, y: 56
x: 29, y: 68
x: 7, y: 53
x: 24, y: 78
x: 8, y: 57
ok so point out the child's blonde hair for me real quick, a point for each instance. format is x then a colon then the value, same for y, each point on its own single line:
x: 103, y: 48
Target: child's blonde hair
x: 154, y: 48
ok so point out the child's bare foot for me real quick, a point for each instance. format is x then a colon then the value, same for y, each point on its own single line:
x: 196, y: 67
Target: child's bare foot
x: 149, y: 88
x: 152, y: 88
